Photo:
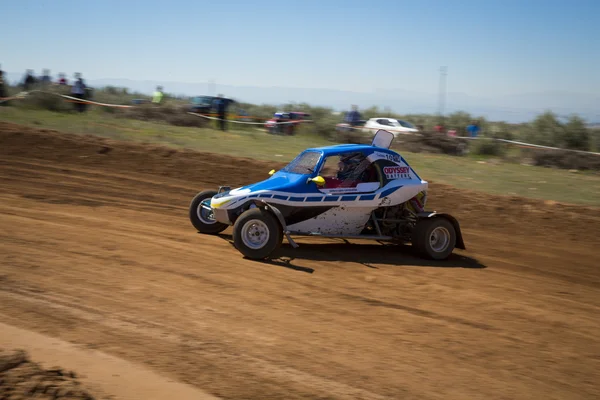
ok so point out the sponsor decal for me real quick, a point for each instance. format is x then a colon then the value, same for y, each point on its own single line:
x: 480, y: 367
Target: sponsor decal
x: 397, y: 172
x: 386, y: 156
x: 340, y: 190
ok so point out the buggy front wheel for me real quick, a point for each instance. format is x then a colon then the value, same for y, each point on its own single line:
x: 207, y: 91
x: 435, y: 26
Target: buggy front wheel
x: 257, y: 233
x: 202, y: 215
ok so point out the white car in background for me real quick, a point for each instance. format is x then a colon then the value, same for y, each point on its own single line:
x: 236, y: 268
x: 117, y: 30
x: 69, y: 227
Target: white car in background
x: 392, y: 125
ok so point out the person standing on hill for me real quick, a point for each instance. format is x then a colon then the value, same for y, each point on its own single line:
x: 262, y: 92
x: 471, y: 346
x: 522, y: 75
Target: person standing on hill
x: 28, y: 80
x: 353, y: 117
x: 473, y: 129
x: 221, y: 106
x: 78, y: 91
x: 45, y: 79
x: 158, y: 95
x: 62, y: 79
x: 2, y: 91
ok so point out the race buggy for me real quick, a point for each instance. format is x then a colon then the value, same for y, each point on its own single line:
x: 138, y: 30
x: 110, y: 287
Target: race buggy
x: 348, y: 191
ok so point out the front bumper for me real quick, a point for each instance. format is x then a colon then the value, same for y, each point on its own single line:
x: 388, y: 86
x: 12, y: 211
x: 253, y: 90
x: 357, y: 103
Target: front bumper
x: 222, y: 216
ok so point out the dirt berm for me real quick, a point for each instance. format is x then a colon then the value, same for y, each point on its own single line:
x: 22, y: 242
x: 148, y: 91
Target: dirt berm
x: 96, y: 249
x: 21, y: 378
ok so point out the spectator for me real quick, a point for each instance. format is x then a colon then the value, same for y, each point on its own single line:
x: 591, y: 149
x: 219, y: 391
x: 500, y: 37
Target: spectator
x: 473, y: 129
x: 28, y: 80
x: 2, y: 91
x: 45, y: 78
x: 62, y: 80
x: 221, y: 106
x: 157, y: 96
x: 439, y: 128
x: 353, y: 117
x: 78, y: 91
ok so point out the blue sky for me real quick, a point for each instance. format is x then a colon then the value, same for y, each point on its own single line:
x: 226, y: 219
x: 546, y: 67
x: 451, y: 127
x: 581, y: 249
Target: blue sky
x: 490, y: 47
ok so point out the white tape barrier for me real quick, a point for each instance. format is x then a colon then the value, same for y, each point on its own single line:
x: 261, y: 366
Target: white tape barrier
x: 18, y: 96
x: 94, y: 102
x: 23, y: 95
x: 250, y: 123
x: 363, y: 128
x: 496, y: 139
x: 546, y: 147
x: 80, y: 100
x: 539, y: 146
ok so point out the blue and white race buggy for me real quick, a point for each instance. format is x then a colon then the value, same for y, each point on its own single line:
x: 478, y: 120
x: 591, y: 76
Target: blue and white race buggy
x: 347, y: 191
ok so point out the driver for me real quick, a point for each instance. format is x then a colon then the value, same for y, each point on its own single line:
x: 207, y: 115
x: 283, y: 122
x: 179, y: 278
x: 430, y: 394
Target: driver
x: 348, y: 167
x: 352, y: 169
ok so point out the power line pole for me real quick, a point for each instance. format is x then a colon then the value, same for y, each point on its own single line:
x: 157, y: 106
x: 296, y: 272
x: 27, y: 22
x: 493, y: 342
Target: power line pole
x: 442, y: 90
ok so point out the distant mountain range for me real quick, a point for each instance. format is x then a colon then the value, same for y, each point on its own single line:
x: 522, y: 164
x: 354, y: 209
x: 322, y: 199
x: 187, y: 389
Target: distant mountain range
x: 514, y: 108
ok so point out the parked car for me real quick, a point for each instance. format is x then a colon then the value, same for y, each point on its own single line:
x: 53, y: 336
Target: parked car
x: 395, y: 126
x: 285, y: 122
x: 205, y: 104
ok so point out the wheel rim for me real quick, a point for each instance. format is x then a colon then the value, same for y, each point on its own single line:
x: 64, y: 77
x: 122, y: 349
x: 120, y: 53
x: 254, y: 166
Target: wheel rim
x: 205, y: 212
x: 255, y: 234
x: 439, y: 239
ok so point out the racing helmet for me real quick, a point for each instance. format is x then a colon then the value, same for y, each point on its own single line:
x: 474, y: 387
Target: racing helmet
x: 348, y: 164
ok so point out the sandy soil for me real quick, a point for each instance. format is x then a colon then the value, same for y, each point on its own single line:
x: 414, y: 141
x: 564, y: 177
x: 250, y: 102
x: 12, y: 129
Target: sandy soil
x: 96, y: 249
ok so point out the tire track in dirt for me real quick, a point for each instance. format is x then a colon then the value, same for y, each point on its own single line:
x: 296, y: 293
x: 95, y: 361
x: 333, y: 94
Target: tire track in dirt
x: 154, y: 330
x: 96, y: 249
x: 133, y: 235
x: 420, y: 312
x: 27, y: 165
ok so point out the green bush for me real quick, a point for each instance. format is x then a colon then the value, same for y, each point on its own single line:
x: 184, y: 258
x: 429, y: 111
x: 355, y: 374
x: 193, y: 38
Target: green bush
x: 431, y: 142
x: 489, y: 147
x: 576, y: 135
x: 547, y: 130
x: 566, y: 160
x: 352, y: 136
x: 595, y: 139
x: 167, y: 113
x: 44, y: 101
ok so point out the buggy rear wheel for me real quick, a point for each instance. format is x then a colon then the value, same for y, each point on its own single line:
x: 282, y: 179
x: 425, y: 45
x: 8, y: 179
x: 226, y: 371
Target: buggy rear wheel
x: 202, y: 216
x: 257, y: 233
x: 434, y: 238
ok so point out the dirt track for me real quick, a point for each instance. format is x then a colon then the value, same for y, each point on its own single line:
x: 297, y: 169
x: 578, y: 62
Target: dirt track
x: 96, y: 249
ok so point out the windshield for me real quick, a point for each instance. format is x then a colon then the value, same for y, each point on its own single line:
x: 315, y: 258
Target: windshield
x: 305, y: 163
x: 201, y: 100
x: 405, y: 124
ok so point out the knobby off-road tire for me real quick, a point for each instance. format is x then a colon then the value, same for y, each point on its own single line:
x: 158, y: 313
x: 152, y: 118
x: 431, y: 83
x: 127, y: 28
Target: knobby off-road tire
x: 257, y: 233
x: 201, y: 218
x: 434, y: 238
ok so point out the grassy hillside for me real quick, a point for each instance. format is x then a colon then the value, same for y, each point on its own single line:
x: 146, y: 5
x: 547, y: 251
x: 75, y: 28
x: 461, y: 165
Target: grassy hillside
x: 484, y: 174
